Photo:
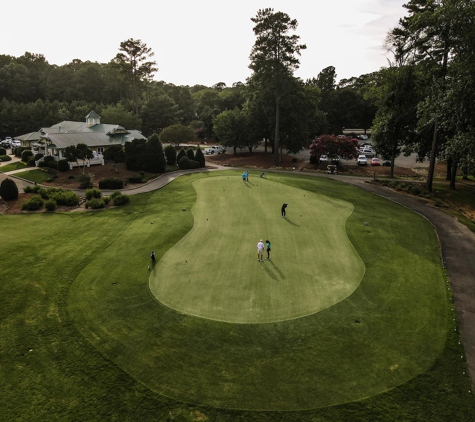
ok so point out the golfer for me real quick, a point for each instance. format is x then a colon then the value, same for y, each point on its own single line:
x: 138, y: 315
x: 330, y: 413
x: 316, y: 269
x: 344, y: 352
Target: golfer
x: 268, y: 249
x: 247, y: 176
x: 260, y: 251
x: 152, y: 256
x: 244, y: 177
x: 284, y: 206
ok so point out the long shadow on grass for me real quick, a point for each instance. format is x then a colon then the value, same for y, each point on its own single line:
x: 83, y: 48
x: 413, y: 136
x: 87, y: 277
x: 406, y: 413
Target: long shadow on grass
x: 282, y: 275
x: 291, y: 222
x: 270, y: 273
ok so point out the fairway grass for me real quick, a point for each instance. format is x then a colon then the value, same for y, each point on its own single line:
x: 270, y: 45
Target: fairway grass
x: 213, y: 271
x: 83, y: 337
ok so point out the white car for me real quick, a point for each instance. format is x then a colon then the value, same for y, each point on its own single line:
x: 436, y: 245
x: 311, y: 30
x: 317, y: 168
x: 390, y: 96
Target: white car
x: 15, y: 143
x: 323, y: 159
x: 215, y: 149
x: 362, y: 160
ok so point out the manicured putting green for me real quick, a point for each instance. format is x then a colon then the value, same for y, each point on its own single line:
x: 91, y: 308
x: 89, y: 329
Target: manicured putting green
x: 213, y: 272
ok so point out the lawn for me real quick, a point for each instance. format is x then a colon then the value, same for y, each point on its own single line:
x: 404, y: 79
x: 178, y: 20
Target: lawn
x: 17, y: 165
x: 83, y: 337
x: 37, y: 175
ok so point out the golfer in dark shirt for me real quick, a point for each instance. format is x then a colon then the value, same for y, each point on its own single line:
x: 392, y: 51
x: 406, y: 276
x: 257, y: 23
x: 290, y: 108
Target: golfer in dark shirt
x: 283, y: 210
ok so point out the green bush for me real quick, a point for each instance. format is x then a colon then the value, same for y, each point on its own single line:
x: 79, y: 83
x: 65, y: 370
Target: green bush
x: 193, y: 164
x: 86, y: 180
x: 111, y: 183
x: 8, y: 189
x: 415, y: 190
x: 48, y: 158
x: 170, y: 154
x: 38, y: 156
x: 135, y: 178
x: 31, y: 188
x: 43, y: 164
x: 50, y: 205
x: 31, y: 162
x: 53, y: 164
x: 200, y: 157
x: 67, y: 197
x: 121, y: 199
x: 181, y: 153
x: 184, y: 163
x: 33, y: 204
x: 115, y: 194
x: 26, y: 154
x: 106, y: 199
x: 3, y: 151
x: 5, y: 158
x: 63, y: 165
x: 93, y: 193
x: 18, y: 150
x: 190, y: 154
x: 94, y: 203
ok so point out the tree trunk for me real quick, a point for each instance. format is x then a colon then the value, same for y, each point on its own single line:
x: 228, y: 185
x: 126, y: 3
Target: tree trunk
x: 277, y: 134
x: 453, y: 175
x: 265, y: 145
x: 433, y: 157
x: 448, y: 174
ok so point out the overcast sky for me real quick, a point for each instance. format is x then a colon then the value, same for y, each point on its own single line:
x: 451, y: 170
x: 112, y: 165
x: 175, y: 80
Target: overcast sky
x: 200, y: 42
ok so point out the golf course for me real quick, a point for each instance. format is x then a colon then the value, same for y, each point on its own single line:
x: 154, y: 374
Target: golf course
x: 351, y: 318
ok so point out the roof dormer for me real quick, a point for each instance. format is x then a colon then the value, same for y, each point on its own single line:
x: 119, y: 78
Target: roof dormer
x: 92, y: 119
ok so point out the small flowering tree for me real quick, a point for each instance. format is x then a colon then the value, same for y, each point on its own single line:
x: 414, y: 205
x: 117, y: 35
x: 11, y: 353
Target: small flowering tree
x: 333, y: 146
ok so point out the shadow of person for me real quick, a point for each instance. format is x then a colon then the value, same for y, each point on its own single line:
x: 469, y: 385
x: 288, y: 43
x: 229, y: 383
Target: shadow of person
x: 281, y: 274
x: 291, y: 222
x: 270, y: 273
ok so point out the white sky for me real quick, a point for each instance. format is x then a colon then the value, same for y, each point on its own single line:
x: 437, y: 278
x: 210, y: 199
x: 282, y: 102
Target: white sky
x: 200, y: 42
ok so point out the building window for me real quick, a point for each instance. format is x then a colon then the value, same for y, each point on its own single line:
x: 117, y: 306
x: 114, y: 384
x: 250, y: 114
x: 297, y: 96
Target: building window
x: 100, y: 150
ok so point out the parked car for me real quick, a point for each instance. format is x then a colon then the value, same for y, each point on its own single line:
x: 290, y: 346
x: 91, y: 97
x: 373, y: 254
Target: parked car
x: 362, y: 160
x: 16, y: 143
x: 5, y: 144
x: 387, y: 163
x: 335, y: 160
x: 323, y: 159
x: 215, y: 149
x: 375, y: 161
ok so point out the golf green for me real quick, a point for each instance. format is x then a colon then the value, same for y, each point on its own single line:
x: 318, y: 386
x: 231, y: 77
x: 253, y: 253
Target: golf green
x: 213, y: 272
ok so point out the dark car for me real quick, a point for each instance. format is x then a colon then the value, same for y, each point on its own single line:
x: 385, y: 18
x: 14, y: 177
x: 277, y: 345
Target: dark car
x: 387, y: 163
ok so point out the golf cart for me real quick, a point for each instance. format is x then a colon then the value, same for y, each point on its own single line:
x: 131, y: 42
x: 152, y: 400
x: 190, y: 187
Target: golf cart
x: 332, y: 169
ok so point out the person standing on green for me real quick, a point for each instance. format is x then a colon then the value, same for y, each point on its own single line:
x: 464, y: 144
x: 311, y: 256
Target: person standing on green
x: 268, y: 249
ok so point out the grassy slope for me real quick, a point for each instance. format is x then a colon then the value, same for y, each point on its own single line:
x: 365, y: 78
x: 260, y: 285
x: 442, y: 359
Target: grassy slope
x: 65, y: 378
x: 213, y: 271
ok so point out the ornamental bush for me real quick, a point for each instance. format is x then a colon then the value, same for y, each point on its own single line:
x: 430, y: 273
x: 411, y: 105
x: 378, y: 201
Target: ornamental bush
x: 33, y: 204
x: 31, y: 188
x: 190, y: 154
x: 3, y: 151
x: 48, y: 158
x: 26, y: 154
x: 193, y: 164
x: 50, y: 205
x: 31, y: 162
x: 135, y: 178
x: 86, y: 180
x: 8, y: 189
x: 115, y: 194
x: 53, y: 164
x: 5, y: 158
x: 121, y: 199
x: 94, y: 203
x: 38, y: 156
x: 181, y: 153
x: 200, y: 157
x: 170, y: 154
x: 111, y: 183
x: 43, y: 164
x: 184, y: 163
x: 63, y: 165
x: 93, y: 193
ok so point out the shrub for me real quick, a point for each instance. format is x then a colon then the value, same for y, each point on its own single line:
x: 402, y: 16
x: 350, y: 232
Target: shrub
x: 121, y: 199
x: 200, y: 157
x: 43, y: 164
x: 33, y: 204
x: 111, y: 183
x: 31, y: 188
x: 38, y: 156
x: 86, y: 180
x: 193, y: 164
x: 8, y: 189
x: 415, y: 190
x: 26, y: 154
x: 50, y: 205
x: 18, y: 150
x: 170, y: 154
x: 93, y: 193
x: 53, y: 164
x: 94, y: 203
x: 67, y: 197
x: 190, y: 154
x: 31, y: 162
x: 136, y: 178
x: 3, y: 151
x: 5, y: 158
x: 182, y: 153
x: 115, y: 194
x: 48, y: 158
x: 184, y: 163
x: 63, y: 165
x: 106, y: 200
